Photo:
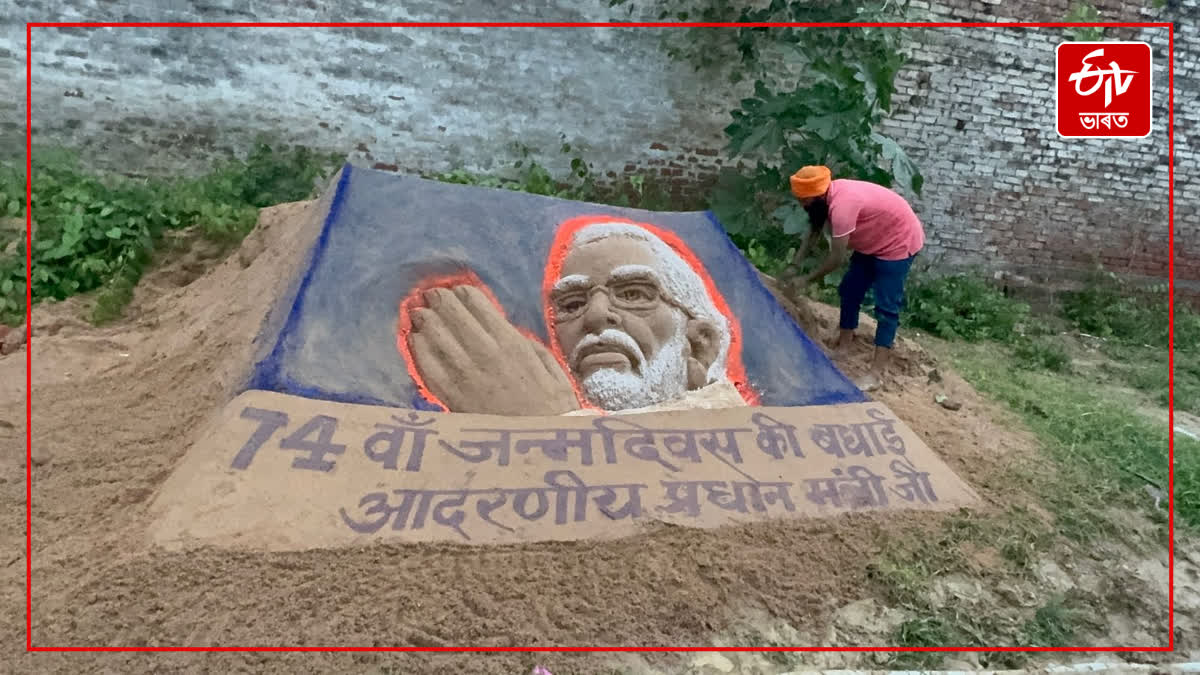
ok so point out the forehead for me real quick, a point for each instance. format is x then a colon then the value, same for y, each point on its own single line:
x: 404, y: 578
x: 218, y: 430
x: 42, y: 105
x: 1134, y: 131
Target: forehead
x: 597, y: 259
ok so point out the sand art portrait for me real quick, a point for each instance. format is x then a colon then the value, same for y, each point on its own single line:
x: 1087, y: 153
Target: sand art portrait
x: 634, y: 320
x: 460, y: 364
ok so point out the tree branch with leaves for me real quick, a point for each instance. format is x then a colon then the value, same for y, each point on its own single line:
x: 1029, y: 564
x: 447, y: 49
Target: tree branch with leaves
x: 818, y: 97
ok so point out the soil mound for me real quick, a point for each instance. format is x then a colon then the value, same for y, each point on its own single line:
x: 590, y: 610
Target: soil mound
x: 112, y: 408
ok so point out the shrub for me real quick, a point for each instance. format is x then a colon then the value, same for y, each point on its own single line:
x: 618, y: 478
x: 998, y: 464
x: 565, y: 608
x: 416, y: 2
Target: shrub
x: 964, y: 307
x: 1043, y: 354
x: 96, y: 230
x: 1111, y: 307
x: 528, y: 175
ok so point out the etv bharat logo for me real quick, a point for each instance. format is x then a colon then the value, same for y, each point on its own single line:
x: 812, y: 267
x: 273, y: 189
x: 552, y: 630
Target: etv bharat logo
x: 1103, y: 89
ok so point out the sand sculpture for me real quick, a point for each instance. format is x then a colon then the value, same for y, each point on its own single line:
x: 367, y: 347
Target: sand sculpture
x: 461, y: 364
x: 634, y: 325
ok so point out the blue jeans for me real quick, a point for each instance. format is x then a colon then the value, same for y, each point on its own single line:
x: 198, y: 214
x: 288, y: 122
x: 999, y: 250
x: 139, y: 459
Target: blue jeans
x: 887, y: 277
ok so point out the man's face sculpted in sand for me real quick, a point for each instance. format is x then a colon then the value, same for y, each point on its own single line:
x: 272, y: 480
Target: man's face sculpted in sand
x: 633, y: 320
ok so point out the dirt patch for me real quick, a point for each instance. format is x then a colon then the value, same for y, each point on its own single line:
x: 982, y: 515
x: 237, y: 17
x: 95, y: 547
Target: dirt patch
x: 113, y: 411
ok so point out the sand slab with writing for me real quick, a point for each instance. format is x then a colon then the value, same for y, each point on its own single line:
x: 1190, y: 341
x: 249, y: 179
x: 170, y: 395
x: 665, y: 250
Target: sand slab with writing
x: 279, y: 472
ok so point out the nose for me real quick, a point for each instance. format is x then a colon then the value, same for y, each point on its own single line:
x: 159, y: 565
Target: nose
x: 599, y: 313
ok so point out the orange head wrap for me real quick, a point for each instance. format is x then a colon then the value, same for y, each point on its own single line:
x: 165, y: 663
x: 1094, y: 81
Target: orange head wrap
x: 811, y: 181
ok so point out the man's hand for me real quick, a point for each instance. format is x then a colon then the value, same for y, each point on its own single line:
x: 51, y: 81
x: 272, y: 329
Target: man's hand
x: 792, y: 277
x: 838, y: 246
x: 475, y: 361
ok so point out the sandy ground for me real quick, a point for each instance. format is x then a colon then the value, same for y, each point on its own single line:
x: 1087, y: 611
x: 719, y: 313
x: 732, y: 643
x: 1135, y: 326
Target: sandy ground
x: 113, y: 410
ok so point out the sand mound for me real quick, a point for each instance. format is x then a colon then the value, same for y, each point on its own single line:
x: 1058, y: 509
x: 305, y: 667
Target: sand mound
x: 820, y: 321
x: 115, y: 407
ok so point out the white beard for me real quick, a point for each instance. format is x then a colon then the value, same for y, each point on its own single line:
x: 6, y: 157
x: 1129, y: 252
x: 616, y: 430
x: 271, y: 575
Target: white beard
x: 663, y: 378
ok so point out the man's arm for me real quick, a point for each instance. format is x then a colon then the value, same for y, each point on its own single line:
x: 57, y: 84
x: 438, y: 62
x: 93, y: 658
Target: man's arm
x: 793, y: 269
x: 837, y: 255
x: 842, y: 222
x: 809, y: 241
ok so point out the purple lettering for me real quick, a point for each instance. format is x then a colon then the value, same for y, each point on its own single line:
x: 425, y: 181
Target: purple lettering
x: 481, y: 451
x: 520, y: 500
x: 380, y: 508
x: 863, y: 488
x: 640, y: 445
x: 422, y: 498
x: 729, y: 447
x: 394, y: 435
x: 558, y: 448
x: 452, y: 500
x: 916, y: 486
x: 269, y: 421
x: 778, y: 493
x: 688, y: 502
x: 822, y: 490
x: 892, y: 440
x: 484, y: 508
x: 323, y: 426
x: 775, y: 438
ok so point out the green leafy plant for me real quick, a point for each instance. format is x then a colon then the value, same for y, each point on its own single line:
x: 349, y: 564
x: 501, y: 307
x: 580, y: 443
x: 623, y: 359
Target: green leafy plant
x: 1046, y: 354
x: 818, y: 97
x: 98, y: 231
x: 581, y: 183
x: 1111, y: 307
x: 1082, y: 12
x: 770, y: 250
x: 761, y: 257
x: 964, y: 307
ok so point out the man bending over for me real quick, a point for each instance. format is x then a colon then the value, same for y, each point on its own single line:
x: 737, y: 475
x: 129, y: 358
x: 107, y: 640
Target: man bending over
x: 884, y: 234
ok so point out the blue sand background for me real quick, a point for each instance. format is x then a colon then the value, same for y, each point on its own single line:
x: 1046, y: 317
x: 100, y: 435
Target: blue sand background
x: 385, y: 232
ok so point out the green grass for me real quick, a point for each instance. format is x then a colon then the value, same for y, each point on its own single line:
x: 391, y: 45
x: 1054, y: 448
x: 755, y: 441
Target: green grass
x: 956, y: 626
x: 912, y: 561
x: 1053, y: 625
x: 1146, y: 369
x: 1105, y: 451
x: 1042, y: 353
x: 923, y: 631
x: 1133, y: 322
x: 1111, y: 307
x: 905, y: 573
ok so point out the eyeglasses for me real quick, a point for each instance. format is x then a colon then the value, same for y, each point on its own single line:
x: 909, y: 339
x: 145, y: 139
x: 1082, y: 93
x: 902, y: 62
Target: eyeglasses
x: 632, y: 295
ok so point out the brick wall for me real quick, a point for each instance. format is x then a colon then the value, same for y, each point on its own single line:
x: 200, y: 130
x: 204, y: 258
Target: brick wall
x: 417, y: 98
x: 975, y: 108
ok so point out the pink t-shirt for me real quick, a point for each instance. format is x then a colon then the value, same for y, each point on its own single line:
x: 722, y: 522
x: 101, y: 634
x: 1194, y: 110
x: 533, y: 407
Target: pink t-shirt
x: 879, y: 221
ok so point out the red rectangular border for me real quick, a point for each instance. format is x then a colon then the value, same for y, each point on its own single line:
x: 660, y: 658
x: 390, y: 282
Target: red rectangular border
x: 477, y: 24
